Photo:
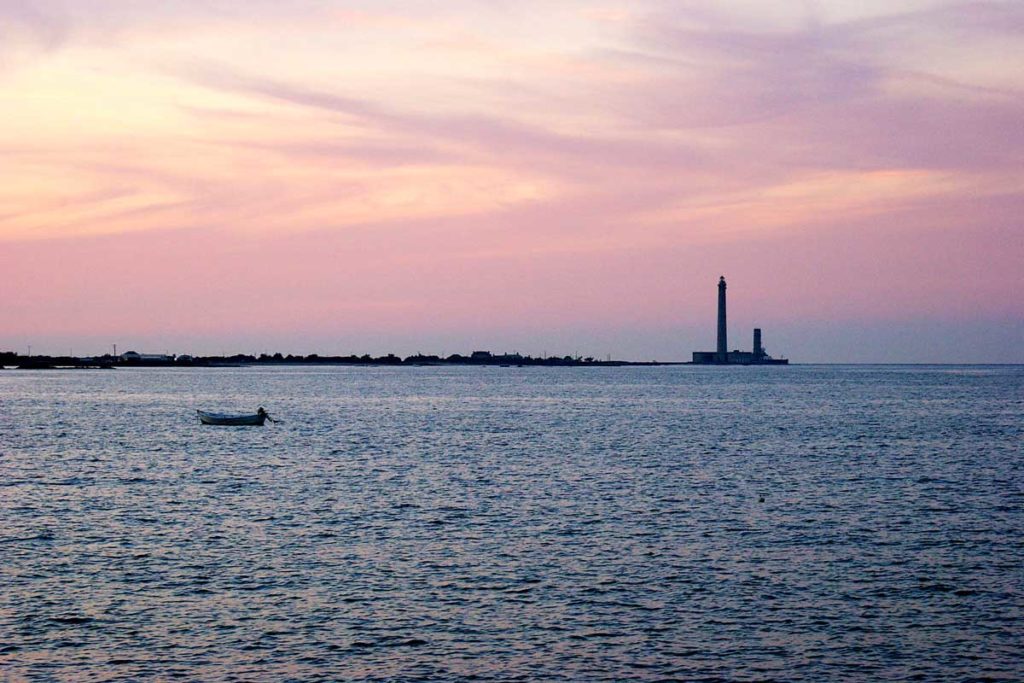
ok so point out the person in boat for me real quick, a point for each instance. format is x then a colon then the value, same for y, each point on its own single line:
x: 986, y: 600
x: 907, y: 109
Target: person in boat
x: 262, y: 413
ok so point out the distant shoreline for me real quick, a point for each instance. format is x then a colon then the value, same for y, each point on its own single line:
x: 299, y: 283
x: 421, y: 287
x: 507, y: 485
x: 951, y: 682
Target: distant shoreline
x: 477, y: 358
x: 606, y: 364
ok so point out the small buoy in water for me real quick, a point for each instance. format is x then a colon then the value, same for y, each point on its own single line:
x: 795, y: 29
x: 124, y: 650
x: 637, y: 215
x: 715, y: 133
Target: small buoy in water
x: 761, y: 499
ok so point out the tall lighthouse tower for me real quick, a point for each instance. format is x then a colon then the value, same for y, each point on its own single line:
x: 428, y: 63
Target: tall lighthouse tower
x: 722, y: 352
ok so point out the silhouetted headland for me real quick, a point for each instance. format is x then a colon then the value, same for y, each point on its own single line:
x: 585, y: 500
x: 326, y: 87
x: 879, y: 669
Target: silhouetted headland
x: 720, y: 356
x: 134, y: 359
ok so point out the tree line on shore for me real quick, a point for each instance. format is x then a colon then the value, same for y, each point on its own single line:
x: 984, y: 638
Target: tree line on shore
x: 132, y: 359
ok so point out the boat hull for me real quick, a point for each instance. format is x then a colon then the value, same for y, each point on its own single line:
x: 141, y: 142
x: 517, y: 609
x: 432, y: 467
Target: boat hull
x: 231, y: 420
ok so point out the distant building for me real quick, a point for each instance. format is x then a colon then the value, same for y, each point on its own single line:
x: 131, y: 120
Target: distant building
x: 136, y: 357
x: 721, y: 355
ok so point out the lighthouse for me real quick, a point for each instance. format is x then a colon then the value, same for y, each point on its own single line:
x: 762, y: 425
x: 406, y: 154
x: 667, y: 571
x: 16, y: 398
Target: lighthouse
x: 722, y: 354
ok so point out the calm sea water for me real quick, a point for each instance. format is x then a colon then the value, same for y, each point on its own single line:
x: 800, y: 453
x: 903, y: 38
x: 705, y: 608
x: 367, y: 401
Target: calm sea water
x: 789, y: 524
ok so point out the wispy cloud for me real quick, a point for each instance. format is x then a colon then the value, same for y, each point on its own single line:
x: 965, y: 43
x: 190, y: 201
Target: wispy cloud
x: 26, y: 30
x: 408, y: 152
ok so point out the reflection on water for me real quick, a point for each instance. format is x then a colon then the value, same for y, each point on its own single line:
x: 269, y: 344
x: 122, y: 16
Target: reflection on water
x: 802, y: 523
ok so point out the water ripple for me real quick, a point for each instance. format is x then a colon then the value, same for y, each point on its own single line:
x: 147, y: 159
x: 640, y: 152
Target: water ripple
x: 485, y: 524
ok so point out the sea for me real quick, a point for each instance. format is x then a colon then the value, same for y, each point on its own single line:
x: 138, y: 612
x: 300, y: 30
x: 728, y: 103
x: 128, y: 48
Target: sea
x: 801, y: 523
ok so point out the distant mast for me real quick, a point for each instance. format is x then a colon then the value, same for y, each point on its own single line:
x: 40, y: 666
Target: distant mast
x: 723, y: 343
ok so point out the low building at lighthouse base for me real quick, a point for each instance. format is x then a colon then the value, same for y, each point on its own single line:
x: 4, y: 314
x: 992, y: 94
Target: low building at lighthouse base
x: 736, y: 358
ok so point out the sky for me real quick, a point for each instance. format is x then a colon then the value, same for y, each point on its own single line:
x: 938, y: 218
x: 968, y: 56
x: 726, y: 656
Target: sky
x: 542, y: 176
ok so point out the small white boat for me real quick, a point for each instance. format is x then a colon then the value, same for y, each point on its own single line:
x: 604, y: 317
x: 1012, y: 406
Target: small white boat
x: 256, y: 420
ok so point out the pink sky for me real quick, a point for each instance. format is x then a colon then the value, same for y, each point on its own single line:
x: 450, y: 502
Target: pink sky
x: 353, y: 177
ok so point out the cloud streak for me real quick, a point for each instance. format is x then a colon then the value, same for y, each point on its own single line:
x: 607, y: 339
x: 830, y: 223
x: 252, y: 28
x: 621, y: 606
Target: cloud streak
x: 378, y: 160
